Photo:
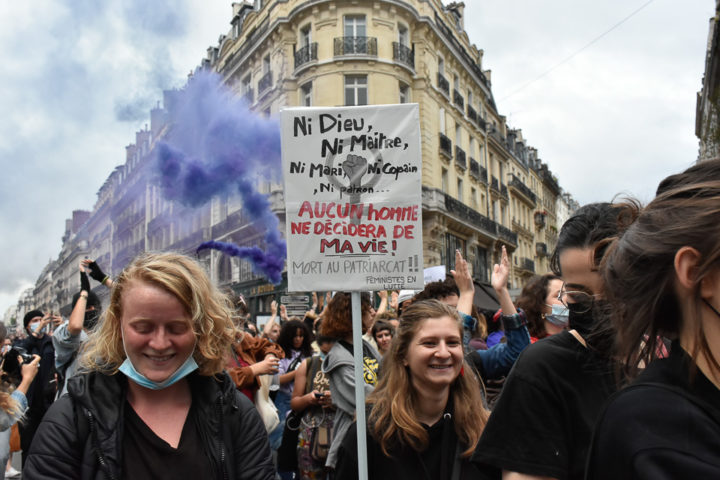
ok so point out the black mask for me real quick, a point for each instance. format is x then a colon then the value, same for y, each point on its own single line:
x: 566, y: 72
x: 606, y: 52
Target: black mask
x: 91, y: 318
x: 582, y: 322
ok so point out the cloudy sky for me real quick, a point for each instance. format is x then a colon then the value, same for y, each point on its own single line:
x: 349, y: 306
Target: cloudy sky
x: 78, y: 77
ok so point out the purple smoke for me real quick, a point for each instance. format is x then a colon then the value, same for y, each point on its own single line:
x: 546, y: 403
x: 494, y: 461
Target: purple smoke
x: 215, y: 146
x: 271, y: 265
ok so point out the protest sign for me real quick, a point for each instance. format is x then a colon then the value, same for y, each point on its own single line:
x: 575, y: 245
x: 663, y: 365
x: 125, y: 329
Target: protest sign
x: 353, y: 197
x: 434, y: 274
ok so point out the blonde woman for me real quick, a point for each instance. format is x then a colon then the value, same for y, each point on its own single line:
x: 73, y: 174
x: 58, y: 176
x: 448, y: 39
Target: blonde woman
x: 153, y: 400
x: 426, y: 412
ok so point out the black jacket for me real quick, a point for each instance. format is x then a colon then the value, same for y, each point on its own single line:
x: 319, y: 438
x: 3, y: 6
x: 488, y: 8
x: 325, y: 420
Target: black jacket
x: 81, y: 435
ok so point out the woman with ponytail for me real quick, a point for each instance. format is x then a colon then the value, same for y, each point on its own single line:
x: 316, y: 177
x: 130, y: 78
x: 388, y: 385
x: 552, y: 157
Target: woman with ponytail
x: 663, y: 276
x: 426, y: 413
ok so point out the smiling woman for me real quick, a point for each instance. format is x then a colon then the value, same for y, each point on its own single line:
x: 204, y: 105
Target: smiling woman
x: 427, y: 414
x: 153, y: 401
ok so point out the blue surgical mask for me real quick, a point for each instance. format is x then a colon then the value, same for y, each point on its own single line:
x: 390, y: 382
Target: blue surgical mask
x: 185, y: 369
x: 558, y: 316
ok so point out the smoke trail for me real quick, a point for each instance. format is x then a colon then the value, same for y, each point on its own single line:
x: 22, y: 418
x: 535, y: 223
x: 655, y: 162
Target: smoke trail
x: 217, y: 146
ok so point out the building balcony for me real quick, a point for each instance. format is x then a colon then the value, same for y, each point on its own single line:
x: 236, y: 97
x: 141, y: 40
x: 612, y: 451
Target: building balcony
x: 404, y: 54
x: 481, y: 123
x: 248, y: 96
x: 504, y: 191
x: 471, y: 113
x: 467, y: 214
x: 306, y: 54
x: 523, y: 189
x: 477, y: 171
x: 458, y: 99
x: 460, y: 158
x: 540, y: 219
x: 265, y: 83
x: 474, y: 169
x: 506, y: 234
x: 443, y: 84
x: 494, y: 183
x: 527, y: 265
x: 355, y: 46
x: 541, y: 249
x: 233, y: 222
x: 445, y: 146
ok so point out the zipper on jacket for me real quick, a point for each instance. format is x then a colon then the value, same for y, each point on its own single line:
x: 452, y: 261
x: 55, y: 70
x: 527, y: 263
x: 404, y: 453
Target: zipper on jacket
x: 221, y: 443
x: 100, y: 456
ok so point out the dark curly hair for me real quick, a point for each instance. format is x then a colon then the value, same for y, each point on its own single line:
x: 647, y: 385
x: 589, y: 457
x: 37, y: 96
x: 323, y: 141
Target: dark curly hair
x: 438, y: 290
x: 532, y: 301
x: 287, y: 335
x: 337, y: 320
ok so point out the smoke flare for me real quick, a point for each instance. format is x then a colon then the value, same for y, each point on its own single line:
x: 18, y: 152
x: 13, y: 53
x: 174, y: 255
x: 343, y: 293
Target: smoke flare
x: 216, y: 146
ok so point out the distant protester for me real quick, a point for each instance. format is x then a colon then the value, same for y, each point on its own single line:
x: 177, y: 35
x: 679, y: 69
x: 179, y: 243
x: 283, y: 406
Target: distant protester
x: 339, y: 367
x: 540, y: 301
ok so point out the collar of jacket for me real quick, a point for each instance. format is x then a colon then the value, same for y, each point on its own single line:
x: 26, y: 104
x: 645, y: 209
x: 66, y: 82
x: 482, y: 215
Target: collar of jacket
x: 104, y: 396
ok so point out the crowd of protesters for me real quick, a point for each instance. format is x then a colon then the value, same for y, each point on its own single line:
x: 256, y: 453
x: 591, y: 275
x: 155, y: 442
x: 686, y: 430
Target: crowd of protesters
x: 608, y: 367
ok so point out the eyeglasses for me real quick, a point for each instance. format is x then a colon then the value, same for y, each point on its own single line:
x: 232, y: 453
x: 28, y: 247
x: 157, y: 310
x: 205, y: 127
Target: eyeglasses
x: 576, y: 301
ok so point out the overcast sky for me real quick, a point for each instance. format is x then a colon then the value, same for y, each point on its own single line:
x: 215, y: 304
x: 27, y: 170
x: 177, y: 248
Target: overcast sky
x: 78, y: 77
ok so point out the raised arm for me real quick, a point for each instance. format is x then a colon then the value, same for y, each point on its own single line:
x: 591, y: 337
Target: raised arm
x: 465, y: 284
x: 499, y: 280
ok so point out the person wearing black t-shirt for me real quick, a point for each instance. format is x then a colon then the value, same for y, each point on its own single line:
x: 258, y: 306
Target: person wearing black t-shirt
x: 541, y: 426
x: 426, y: 414
x: 665, y: 271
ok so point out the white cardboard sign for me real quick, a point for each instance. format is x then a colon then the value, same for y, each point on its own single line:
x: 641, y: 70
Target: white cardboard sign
x: 353, y: 197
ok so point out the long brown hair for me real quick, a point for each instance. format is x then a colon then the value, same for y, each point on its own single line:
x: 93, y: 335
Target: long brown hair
x: 638, y: 267
x: 532, y: 301
x: 393, y: 418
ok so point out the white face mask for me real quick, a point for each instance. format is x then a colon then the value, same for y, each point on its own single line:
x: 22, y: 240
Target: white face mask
x: 558, y: 316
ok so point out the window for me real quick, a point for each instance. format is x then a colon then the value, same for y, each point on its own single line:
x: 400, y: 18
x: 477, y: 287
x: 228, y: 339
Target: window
x: 473, y: 198
x: 306, y: 95
x: 460, y: 189
x: 403, y: 38
x: 458, y: 135
x: 480, y: 266
x: 356, y: 90
x: 452, y: 243
x: 305, y: 36
x: 441, y: 66
x: 266, y: 64
x: 246, y: 84
x: 442, y: 120
x: 456, y: 82
x: 354, y: 26
x: 404, y: 93
x: 444, y: 178
x: 471, y: 149
x: 469, y: 98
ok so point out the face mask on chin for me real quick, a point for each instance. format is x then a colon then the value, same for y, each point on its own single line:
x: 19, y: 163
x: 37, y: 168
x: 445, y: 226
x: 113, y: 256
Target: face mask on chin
x: 558, y: 316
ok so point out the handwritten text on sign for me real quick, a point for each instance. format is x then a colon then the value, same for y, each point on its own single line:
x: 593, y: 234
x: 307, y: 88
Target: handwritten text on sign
x: 353, y: 197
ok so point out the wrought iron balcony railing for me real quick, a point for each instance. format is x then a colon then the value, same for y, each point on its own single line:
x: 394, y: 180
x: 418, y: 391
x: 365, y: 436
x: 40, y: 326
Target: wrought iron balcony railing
x: 460, y: 157
x: 445, y: 146
x: 306, y: 54
x: 458, y: 99
x: 355, y: 46
x: 404, y: 54
x: 443, y: 84
x: 265, y: 82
